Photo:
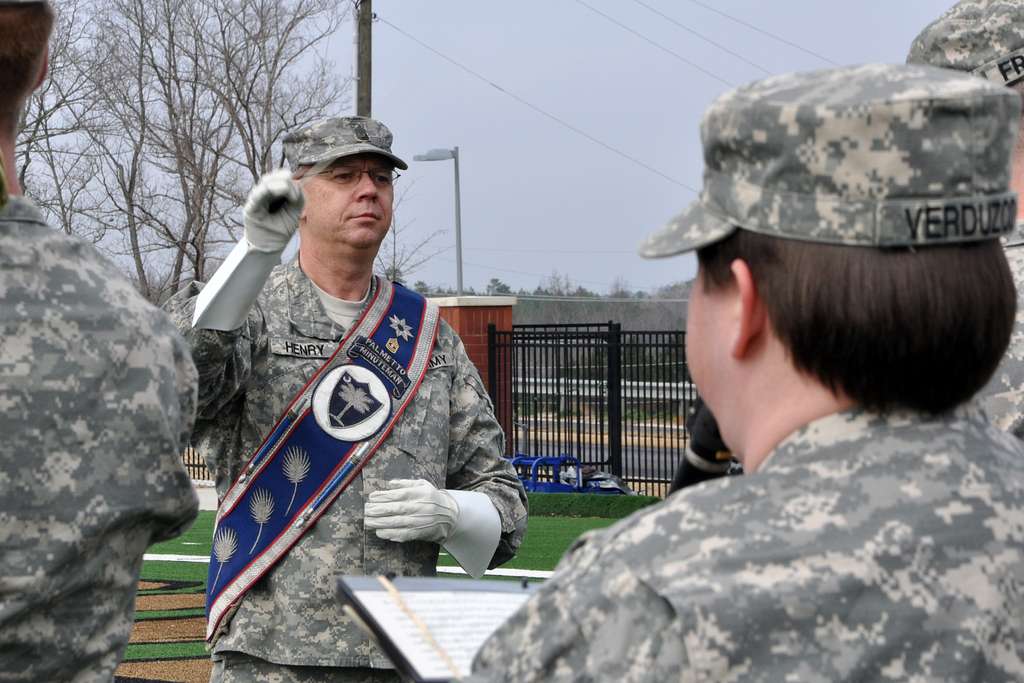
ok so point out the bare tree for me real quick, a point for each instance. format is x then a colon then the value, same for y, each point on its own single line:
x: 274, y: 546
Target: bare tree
x: 159, y: 116
x: 399, y: 256
x: 55, y: 170
x: 254, y: 65
x: 619, y: 289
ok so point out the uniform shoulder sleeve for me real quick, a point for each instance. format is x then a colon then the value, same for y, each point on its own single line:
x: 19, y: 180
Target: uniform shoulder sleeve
x: 224, y: 360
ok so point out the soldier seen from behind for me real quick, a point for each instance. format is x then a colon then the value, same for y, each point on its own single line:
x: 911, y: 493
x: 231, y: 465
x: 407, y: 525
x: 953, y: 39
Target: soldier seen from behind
x: 986, y: 38
x: 97, y: 399
x: 852, y: 296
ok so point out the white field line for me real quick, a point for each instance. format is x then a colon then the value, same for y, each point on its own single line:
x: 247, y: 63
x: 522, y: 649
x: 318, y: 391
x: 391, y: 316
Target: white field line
x: 517, y: 573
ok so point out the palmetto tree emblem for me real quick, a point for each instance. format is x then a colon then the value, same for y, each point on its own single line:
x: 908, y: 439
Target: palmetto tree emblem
x: 225, y: 544
x: 352, y: 395
x: 296, y: 469
x: 261, y: 507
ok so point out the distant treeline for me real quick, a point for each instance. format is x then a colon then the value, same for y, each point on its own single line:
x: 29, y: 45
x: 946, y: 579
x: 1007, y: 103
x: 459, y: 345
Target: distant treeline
x: 558, y: 301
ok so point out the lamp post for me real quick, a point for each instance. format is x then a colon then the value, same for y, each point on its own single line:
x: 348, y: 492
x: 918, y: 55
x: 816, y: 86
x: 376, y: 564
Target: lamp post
x: 442, y: 154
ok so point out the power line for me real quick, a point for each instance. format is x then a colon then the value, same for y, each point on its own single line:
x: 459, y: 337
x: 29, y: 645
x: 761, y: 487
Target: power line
x: 703, y: 37
x: 764, y: 32
x: 537, y: 109
x: 543, y: 275
x: 644, y: 38
x: 595, y: 299
x: 553, y: 251
x: 521, y: 272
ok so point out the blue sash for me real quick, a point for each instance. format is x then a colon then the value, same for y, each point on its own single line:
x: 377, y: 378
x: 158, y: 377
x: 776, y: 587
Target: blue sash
x: 329, y: 432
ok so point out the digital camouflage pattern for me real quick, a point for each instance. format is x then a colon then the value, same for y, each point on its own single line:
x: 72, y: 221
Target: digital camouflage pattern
x: 234, y: 667
x: 1003, y: 396
x: 983, y: 37
x: 839, y: 157
x: 97, y: 399
x: 448, y: 436
x: 863, y: 549
x: 328, y: 139
x: 986, y: 37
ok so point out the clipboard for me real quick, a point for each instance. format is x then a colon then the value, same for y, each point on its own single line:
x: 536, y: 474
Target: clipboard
x: 430, y: 628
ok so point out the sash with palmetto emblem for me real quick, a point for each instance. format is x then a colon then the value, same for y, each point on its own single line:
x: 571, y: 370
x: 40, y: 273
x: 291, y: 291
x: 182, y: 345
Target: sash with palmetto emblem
x: 329, y: 432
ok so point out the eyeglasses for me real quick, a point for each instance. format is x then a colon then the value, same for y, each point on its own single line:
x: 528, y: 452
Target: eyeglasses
x: 349, y: 176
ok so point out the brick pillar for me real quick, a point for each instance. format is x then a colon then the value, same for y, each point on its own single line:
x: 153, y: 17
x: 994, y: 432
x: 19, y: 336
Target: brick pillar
x: 470, y: 315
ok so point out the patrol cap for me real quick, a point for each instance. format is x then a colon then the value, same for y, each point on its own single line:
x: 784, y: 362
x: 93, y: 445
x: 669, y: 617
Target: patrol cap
x: 328, y: 139
x: 984, y: 37
x: 876, y: 155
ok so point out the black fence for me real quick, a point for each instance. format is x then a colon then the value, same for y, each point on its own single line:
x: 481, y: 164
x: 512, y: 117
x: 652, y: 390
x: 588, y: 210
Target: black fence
x: 613, y: 399
x: 195, y: 465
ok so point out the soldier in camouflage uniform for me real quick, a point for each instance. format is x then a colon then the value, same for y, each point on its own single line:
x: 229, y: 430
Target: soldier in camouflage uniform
x: 97, y: 399
x: 986, y: 38
x: 851, y: 297
x: 290, y: 625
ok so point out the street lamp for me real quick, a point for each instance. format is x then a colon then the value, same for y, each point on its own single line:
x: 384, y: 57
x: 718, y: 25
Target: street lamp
x: 441, y: 154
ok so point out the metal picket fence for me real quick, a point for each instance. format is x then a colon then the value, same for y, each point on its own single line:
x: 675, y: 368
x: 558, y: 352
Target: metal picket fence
x: 614, y: 399
x: 195, y: 465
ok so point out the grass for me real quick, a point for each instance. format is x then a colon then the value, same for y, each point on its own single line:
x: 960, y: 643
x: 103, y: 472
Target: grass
x: 547, y: 539
x: 170, y: 614
x: 586, y: 505
x: 174, y: 571
x: 165, y: 651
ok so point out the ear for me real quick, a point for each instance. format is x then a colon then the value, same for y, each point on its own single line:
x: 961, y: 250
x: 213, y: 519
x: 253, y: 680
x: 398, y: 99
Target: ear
x: 752, y: 316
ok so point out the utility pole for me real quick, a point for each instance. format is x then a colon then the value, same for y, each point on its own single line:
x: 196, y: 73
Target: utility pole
x: 364, y: 56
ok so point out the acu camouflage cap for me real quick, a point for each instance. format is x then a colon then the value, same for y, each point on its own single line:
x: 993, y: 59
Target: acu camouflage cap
x: 328, y: 139
x: 876, y: 155
x: 984, y: 37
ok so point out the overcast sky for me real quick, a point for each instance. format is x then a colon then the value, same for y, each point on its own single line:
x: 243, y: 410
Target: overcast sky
x: 538, y: 197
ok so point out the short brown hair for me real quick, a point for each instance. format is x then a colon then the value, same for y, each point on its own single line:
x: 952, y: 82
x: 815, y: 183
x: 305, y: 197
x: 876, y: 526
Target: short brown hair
x: 24, y: 38
x: 890, y: 328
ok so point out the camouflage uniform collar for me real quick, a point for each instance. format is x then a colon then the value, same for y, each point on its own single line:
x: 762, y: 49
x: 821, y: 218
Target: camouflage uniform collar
x: 20, y: 209
x: 306, y: 313
x: 852, y: 425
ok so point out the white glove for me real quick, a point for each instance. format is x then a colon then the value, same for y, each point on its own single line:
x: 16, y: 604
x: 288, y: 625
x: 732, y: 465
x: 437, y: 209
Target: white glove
x: 411, y: 510
x: 270, y: 231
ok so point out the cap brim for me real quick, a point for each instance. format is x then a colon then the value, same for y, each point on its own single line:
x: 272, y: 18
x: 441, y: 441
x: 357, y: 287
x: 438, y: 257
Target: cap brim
x: 694, y: 228
x: 351, y: 150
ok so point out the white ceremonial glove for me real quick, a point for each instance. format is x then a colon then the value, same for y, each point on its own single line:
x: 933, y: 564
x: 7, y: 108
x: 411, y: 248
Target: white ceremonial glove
x: 466, y: 523
x: 267, y: 230
x: 411, y: 510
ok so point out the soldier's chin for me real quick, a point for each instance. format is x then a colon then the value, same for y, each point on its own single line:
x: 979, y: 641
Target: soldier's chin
x: 364, y: 234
